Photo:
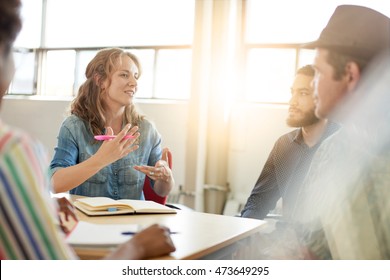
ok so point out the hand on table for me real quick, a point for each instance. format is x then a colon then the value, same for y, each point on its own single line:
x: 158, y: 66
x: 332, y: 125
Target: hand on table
x: 66, y: 215
x: 154, y: 241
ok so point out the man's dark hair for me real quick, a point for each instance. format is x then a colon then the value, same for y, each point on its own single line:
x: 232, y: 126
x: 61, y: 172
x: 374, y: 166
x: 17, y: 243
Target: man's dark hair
x: 307, y: 70
x: 339, y: 62
x: 10, y: 23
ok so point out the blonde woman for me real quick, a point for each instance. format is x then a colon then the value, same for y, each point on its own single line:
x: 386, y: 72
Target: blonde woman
x: 113, y: 168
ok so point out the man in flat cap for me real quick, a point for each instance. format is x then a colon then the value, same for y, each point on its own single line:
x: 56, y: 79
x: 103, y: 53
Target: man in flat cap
x: 344, y: 206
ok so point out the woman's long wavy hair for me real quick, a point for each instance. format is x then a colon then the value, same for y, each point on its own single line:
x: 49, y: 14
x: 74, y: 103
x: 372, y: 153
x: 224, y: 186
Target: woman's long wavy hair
x: 89, y: 104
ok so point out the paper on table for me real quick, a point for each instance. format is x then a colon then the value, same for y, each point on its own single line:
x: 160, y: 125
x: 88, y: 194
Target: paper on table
x: 100, y: 235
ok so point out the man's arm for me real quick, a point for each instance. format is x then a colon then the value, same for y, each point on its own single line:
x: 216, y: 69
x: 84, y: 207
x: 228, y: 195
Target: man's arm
x: 265, y: 193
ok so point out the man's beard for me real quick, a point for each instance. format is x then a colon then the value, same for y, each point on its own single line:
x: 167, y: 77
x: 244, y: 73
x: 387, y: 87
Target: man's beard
x: 309, y: 118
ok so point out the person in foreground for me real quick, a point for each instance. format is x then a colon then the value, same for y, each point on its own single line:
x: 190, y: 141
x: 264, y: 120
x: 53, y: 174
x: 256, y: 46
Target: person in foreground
x: 28, y: 216
x: 290, y: 158
x: 345, y: 209
x: 104, y: 105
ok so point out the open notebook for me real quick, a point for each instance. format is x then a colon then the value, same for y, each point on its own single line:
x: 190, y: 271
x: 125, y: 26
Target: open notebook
x: 104, y: 235
x: 95, y: 206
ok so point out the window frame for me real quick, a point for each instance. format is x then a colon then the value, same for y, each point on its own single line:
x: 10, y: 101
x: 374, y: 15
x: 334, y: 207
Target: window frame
x: 41, y: 60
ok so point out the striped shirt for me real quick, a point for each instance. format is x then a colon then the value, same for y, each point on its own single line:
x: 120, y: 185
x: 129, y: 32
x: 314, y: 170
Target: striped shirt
x: 28, y: 223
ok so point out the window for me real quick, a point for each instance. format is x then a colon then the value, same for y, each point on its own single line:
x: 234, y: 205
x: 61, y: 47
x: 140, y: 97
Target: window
x: 267, y: 69
x: 59, y: 73
x: 60, y: 42
x: 24, y: 54
x: 86, y: 23
x: 59, y: 37
x: 30, y: 35
x: 273, y: 35
x: 173, y: 74
x: 24, y: 78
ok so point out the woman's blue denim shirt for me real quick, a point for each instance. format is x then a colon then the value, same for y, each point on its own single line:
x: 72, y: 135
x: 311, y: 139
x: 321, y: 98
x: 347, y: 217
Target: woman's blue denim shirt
x: 117, y: 180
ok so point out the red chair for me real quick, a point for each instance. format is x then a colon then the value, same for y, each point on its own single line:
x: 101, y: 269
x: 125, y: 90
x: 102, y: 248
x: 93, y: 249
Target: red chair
x: 148, y: 190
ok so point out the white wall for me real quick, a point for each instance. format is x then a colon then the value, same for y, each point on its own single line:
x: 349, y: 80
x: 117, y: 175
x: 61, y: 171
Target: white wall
x: 41, y: 118
x: 253, y: 130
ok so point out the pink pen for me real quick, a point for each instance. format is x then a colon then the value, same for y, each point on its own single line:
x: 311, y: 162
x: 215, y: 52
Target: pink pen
x: 109, y: 137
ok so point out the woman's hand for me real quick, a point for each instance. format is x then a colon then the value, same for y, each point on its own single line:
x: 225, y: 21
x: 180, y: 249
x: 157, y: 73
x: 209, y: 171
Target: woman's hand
x: 161, y: 170
x: 114, y: 149
x: 161, y: 173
